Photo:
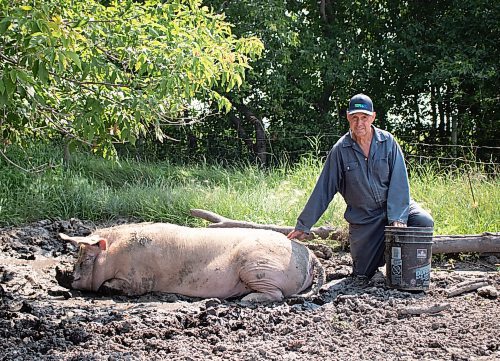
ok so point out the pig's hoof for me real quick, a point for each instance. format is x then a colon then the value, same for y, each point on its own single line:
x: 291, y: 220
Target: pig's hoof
x: 60, y: 291
x: 107, y: 290
x: 258, y: 297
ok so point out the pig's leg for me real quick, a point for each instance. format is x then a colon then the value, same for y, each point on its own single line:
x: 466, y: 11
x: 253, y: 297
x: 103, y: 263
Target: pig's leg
x: 115, y: 286
x: 264, y: 279
x: 277, y: 295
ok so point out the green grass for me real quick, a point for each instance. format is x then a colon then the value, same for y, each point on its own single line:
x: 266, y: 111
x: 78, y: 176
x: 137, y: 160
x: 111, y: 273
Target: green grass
x: 95, y: 189
x: 463, y: 201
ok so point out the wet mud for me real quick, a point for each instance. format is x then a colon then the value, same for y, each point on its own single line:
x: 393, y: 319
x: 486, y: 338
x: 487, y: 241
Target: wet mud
x: 348, y: 319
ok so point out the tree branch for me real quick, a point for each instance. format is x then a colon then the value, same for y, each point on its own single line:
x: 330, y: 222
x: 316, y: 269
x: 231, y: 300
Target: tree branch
x: 223, y: 222
x: 33, y: 170
x: 458, y: 290
x: 438, y: 307
x: 484, y: 243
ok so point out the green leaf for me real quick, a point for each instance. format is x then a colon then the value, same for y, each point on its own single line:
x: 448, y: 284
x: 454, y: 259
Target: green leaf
x: 239, y: 81
x: 62, y: 61
x: 4, y: 99
x: 13, y: 75
x: 4, y: 25
x: 42, y: 25
x: 30, y: 90
x: 43, y: 74
x: 81, y: 23
x: 34, y: 69
x: 21, y: 74
x: 177, y: 49
x: 10, y: 86
x: 85, y: 71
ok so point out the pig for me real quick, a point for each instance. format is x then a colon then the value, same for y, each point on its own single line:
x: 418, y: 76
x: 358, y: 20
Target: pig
x: 134, y: 259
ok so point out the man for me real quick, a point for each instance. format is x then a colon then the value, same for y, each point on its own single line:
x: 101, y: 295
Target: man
x: 366, y: 166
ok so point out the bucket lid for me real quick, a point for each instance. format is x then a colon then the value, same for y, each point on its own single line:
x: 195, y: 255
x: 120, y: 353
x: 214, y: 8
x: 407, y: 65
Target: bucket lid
x: 409, y: 234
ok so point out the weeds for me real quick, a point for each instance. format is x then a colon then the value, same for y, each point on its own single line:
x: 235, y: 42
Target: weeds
x: 96, y: 189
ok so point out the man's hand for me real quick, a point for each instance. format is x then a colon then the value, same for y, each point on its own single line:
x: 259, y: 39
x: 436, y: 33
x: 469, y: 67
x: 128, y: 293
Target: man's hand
x: 296, y: 234
x: 398, y: 224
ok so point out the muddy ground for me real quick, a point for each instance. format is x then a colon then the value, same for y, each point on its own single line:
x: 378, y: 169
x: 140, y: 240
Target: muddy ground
x: 348, y: 320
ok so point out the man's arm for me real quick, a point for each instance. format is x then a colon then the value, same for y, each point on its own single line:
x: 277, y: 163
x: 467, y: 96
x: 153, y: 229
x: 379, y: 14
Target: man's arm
x: 326, y: 187
x: 398, y: 197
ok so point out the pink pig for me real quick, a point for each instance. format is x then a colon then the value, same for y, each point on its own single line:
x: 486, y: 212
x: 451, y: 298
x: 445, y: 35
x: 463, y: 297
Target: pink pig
x: 134, y: 259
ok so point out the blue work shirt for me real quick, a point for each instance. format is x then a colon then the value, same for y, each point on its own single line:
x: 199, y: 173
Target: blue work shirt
x: 372, y: 186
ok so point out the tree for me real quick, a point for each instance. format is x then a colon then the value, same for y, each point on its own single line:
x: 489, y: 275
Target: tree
x: 430, y: 66
x: 444, y: 58
x: 102, y: 75
x: 285, y: 94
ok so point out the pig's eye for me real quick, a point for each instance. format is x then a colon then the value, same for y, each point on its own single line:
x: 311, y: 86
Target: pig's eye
x: 83, y: 256
x: 80, y: 252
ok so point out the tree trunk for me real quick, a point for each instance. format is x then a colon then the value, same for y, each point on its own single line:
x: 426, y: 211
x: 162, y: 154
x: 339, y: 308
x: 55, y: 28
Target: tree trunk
x: 324, y: 103
x: 433, y: 115
x: 417, y: 116
x: 67, y: 153
x: 241, y: 131
x: 441, y: 112
x: 449, y: 124
x: 447, y: 112
x: 482, y: 243
x: 454, y: 133
x: 259, y: 147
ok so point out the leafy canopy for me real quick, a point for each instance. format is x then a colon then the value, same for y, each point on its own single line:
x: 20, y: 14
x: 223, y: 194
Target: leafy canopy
x: 104, y: 74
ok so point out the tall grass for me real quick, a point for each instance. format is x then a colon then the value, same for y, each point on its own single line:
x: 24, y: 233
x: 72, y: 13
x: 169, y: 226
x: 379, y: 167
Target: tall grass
x: 99, y: 190
x: 462, y: 201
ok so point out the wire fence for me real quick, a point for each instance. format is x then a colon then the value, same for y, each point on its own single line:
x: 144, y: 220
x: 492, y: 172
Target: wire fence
x: 415, y: 150
x: 231, y: 148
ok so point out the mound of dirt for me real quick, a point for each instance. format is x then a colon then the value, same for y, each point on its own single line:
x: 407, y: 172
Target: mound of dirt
x: 347, y: 320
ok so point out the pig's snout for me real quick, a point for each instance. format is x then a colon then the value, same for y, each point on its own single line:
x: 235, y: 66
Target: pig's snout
x: 64, y: 277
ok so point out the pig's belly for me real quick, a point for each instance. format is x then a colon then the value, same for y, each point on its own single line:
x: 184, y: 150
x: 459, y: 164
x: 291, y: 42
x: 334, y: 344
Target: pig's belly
x: 218, y: 283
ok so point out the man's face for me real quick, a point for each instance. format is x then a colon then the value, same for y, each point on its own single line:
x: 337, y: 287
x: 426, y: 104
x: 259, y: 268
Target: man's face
x: 360, y: 124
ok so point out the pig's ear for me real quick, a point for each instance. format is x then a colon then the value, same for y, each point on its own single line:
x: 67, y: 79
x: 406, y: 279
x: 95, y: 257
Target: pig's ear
x: 103, y: 244
x: 90, y: 240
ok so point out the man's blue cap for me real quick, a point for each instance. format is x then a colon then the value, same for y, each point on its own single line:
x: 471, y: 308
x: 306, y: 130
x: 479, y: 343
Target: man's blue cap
x: 360, y: 103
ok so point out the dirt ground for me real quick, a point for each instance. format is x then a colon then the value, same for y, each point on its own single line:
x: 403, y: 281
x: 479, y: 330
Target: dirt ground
x: 348, y: 320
